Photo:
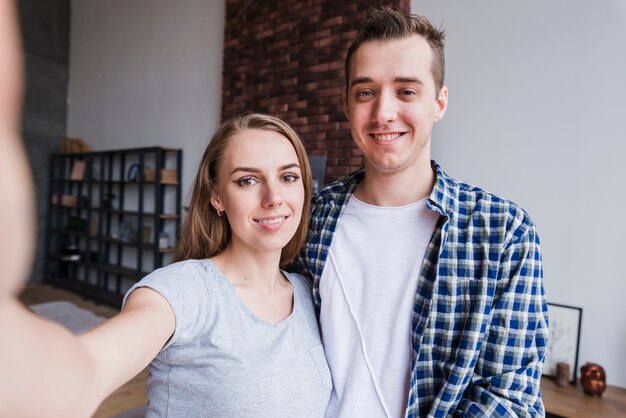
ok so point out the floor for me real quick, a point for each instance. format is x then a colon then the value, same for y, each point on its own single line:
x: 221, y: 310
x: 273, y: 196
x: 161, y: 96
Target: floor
x: 129, y: 396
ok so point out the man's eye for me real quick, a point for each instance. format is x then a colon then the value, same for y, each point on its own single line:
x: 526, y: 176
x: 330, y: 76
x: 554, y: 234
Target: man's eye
x: 407, y: 93
x: 290, y: 178
x: 365, y: 93
x: 246, y: 181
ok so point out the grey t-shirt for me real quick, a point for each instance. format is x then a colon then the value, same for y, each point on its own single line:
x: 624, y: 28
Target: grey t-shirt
x: 223, y: 361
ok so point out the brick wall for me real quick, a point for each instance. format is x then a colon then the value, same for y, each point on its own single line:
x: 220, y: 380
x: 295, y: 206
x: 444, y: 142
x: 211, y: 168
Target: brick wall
x: 286, y: 57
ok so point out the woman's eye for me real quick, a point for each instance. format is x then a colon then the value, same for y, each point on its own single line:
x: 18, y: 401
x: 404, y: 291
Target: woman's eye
x: 290, y: 178
x: 246, y: 181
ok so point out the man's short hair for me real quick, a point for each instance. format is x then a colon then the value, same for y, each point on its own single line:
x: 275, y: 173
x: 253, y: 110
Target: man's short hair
x: 387, y: 24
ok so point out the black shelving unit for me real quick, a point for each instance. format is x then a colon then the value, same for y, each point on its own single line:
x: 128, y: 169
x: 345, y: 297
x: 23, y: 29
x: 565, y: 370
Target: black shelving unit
x: 113, y: 217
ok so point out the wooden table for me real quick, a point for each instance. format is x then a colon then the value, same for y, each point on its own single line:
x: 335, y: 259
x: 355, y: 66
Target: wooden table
x: 571, y: 402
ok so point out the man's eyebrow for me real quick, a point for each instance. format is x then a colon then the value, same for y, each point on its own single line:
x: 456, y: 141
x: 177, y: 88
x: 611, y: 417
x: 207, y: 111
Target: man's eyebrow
x: 364, y: 80
x: 409, y: 80
x: 360, y: 80
x: 256, y: 170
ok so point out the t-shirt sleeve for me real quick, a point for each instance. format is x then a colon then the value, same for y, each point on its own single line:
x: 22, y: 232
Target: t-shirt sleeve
x: 184, y: 287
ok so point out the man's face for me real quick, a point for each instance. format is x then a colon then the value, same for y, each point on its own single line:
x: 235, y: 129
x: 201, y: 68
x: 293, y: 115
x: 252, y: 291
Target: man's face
x: 392, y: 103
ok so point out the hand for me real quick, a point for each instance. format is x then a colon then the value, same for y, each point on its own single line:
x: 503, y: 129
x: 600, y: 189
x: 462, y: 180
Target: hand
x: 17, y: 214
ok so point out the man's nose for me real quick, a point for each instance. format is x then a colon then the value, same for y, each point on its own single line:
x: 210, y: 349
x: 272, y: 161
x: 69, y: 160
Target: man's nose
x: 385, y: 109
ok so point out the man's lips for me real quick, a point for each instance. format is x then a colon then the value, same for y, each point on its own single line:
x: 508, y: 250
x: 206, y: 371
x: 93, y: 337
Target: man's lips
x: 386, y: 137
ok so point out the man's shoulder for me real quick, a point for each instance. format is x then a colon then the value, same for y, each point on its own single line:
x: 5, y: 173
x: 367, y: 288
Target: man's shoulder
x: 467, y: 201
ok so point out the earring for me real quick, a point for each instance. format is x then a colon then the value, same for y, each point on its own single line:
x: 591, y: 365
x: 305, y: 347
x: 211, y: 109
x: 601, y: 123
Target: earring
x: 219, y: 212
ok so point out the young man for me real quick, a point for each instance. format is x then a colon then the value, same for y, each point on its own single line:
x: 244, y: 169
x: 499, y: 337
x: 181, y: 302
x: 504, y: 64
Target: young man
x: 430, y: 290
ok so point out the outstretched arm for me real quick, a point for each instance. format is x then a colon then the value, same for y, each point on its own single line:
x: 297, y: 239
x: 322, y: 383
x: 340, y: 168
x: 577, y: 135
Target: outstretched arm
x: 508, y: 370
x: 46, y: 371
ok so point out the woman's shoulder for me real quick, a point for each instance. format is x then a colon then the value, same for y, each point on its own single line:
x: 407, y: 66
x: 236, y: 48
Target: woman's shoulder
x: 182, y: 268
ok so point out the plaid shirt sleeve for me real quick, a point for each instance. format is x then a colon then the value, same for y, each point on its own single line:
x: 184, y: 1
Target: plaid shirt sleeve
x: 507, y: 374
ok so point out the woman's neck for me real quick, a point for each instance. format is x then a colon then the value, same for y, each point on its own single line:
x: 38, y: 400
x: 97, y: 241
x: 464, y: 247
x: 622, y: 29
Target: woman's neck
x: 258, y: 271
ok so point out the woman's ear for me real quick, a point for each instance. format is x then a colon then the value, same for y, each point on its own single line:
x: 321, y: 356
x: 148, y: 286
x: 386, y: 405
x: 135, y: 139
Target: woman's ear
x: 215, y: 201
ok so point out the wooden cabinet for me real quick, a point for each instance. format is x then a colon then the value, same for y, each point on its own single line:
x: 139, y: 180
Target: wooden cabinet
x: 571, y: 402
x: 114, y: 216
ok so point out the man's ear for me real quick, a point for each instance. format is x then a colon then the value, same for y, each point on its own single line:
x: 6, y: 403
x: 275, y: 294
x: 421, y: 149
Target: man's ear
x: 441, y: 104
x: 344, y: 97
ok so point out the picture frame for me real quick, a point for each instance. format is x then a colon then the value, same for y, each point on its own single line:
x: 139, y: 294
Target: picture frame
x: 78, y: 170
x: 564, y: 324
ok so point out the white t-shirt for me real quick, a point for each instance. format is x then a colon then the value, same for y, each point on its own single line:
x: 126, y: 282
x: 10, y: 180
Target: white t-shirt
x: 368, y: 290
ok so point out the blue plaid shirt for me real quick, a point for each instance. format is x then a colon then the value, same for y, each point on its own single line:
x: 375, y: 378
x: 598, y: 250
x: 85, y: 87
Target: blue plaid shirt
x: 480, y: 318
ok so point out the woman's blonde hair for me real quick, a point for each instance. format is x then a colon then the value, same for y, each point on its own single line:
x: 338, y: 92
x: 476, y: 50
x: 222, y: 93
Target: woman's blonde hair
x: 206, y: 234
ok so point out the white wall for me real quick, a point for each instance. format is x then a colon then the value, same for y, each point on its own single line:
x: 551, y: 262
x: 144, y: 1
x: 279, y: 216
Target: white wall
x: 146, y: 72
x: 537, y: 114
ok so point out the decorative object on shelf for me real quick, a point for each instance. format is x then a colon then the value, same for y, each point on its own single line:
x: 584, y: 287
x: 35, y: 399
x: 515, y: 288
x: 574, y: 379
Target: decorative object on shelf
x: 134, y: 173
x: 167, y: 176
x: 164, y: 240
x: 73, y: 146
x: 146, y: 234
x: 107, y: 203
x: 70, y: 253
x: 66, y: 200
x: 564, y: 339
x: 562, y: 374
x: 93, y: 227
x: 78, y: 170
x: 126, y: 231
x: 593, y: 379
x: 150, y: 174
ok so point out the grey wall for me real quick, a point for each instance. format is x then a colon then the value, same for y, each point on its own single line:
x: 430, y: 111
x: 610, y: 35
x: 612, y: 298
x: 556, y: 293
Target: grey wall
x: 146, y: 72
x: 537, y: 96
x: 45, y: 35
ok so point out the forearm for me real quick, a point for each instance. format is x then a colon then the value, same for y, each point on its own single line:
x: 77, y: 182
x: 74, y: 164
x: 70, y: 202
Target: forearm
x: 508, y: 369
x: 45, y: 369
x: 124, y: 345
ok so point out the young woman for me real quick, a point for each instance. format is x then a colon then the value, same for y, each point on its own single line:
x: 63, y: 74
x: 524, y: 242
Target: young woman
x: 227, y: 333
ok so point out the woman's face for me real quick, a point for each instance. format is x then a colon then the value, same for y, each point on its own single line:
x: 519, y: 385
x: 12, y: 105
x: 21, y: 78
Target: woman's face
x: 260, y: 189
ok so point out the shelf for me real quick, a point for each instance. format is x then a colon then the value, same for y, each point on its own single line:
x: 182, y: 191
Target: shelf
x: 144, y: 245
x: 134, y: 182
x: 79, y: 184
x: 571, y: 401
x: 73, y: 232
x: 124, y: 212
x: 122, y: 271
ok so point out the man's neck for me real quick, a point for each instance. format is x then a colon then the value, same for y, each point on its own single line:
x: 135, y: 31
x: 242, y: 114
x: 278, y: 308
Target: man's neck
x: 396, y: 189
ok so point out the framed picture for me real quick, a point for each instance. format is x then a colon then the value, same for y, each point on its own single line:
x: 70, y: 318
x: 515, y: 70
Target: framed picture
x: 78, y: 170
x: 564, y: 339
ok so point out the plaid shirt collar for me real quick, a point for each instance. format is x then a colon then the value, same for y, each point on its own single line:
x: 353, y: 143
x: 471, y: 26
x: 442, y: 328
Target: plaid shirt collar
x: 442, y: 199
